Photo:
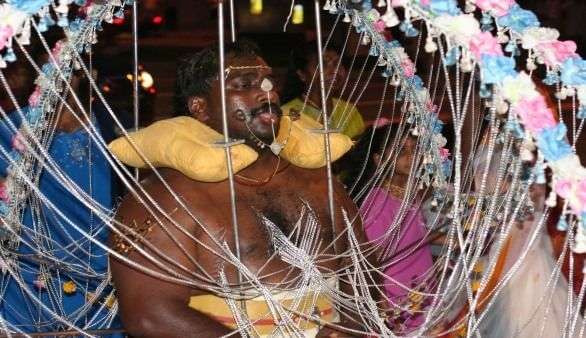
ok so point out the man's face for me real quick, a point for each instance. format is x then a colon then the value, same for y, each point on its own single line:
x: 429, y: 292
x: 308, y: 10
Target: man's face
x: 252, y: 104
x: 332, y: 78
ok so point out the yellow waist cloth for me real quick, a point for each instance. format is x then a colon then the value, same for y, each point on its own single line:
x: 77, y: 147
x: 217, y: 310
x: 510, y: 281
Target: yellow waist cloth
x: 258, y: 312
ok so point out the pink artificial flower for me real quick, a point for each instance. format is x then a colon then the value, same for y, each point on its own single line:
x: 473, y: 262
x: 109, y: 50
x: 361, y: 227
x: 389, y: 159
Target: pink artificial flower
x: 485, y: 43
x: 432, y: 108
x: 6, y: 33
x: 556, y: 52
x: 57, y: 49
x: 379, y: 26
x: 85, y: 9
x: 33, y: 100
x: 444, y: 153
x: 535, y: 114
x: 3, y: 192
x: 497, y: 7
x: 18, y: 142
x: 581, y: 195
x: 398, y: 3
x: 563, y: 187
x: 408, y: 67
x: 425, y: 2
x: 40, y: 283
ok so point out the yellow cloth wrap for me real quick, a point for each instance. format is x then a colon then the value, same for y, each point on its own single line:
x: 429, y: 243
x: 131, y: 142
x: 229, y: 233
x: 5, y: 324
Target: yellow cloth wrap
x: 259, y: 314
x: 345, y: 116
x: 304, y: 147
x: 185, y: 144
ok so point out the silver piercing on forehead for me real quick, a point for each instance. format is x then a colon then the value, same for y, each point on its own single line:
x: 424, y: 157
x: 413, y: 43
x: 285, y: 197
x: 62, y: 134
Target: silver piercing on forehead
x: 266, y: 85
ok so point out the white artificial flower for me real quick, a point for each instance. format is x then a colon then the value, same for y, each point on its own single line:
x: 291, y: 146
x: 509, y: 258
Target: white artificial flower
x: 580, y: 241
x: 440, y: 140
x: 9, y: 16
x: 518, y: 87
x: 460, y: 27
x: 535, y: 35
x: 581, y: 91
x: 569, y: 167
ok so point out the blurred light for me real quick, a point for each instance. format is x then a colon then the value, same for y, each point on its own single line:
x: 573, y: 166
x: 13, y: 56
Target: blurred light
x: 146, y: 80
x: 129, y: 77
x: 106, y: 88
x: 118, y: 21
x: 152, y: 90
x: 157, y: 20
x: 255, y: 7
x: 297, y: 18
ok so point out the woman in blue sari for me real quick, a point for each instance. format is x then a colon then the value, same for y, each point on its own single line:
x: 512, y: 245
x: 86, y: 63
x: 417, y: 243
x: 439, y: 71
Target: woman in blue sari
x: 65, y: 273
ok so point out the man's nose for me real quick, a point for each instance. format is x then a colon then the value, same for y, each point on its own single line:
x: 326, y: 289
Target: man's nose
x: 270, y: 96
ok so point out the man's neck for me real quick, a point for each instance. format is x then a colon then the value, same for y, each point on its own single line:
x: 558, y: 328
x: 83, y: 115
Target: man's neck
x: 266, y: 162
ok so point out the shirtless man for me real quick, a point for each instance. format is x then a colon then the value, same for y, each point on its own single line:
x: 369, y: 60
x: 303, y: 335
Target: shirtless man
x: 151, y: 307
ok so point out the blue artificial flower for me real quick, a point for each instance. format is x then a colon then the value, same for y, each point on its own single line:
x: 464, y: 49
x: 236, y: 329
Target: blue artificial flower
x: 562, y: 224
x: 495, y: 68
x: 429, y: 168
x: 518, y: 19
x: 366, y: 5
x: 441, y: 7
x: 574, y: 72
x: 581, y: 112
x: 452, y: 56
x: 407, y: 27
x: 393, y: 44
x: 416, y: 81
x: 33, y: 115
x: 486, y: 22
x: 551, y: 78
x: 47, y: 68
x: 553, y: 144
x: 485, y: 93
x: 387, y: 72
x: 29, y: 6
x: 3, y: 208
x: 515, y: 128
x: 437, y: 126
x: 447, y: 167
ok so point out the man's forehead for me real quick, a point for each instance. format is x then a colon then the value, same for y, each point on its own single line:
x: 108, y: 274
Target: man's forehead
x: 235, y: 65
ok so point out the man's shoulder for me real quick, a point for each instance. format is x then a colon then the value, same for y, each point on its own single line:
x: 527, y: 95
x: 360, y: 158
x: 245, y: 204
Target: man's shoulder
x: 162, y: 189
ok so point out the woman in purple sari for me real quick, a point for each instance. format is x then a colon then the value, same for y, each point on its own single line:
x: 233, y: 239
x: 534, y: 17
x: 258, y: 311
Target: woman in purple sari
x: 378, y: 176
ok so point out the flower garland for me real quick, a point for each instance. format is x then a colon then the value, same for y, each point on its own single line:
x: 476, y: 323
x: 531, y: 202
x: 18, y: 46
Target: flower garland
x: 512, y: 91
x: 437, y: 165
x: 42, y: 103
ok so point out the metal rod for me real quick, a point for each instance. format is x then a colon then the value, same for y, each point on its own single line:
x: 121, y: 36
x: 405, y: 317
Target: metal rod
x: 135, y: 94
x: 227, y: 136
x: 324, y: 108
x: 232, y: 22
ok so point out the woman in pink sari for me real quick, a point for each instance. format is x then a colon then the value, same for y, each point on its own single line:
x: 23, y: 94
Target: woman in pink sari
x: 393, y: 221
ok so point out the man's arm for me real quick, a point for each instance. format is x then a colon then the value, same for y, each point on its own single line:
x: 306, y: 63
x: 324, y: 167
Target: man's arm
x: 151, y: 307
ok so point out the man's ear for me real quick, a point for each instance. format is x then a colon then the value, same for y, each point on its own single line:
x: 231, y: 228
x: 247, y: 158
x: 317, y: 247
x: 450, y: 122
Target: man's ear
x: 198, y: 107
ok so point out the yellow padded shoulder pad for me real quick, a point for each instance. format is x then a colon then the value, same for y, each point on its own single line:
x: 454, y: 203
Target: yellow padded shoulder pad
x: 185, y: 144
x: 305, y: 148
